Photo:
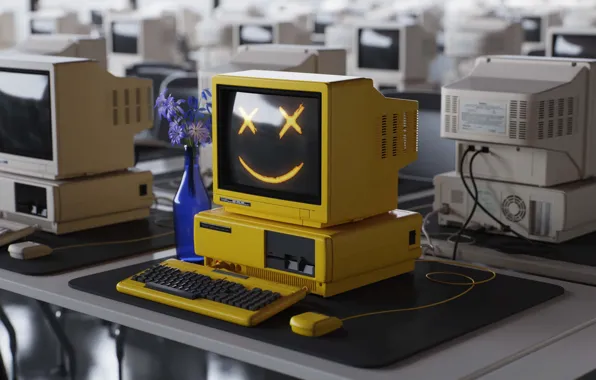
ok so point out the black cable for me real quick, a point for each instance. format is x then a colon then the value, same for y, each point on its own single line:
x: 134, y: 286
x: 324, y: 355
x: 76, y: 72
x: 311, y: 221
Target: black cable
x: 503, y: 226
x: 475, y: 198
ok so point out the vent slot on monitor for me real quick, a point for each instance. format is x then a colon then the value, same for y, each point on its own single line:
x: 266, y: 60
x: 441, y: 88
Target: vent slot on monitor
x: 518, y: 119
x: 290, y: 253
x: 450, y: 107
x: 540, y: 215
x: 555, y: 118
x: 31, y: 200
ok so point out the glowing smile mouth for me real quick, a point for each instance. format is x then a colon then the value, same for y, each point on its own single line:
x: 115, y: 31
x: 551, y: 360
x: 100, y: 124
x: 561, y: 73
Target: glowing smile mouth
x: 280, y: 179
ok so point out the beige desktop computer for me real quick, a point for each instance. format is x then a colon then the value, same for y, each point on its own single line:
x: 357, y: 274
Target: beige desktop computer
x: 394, y: 55
x: 66, y: 206
x: 133, y: 38
x: 7, y: 29
x: 65, y: 45
x: 83, y: 119
x: 280, y: 57
x: 54, y: 21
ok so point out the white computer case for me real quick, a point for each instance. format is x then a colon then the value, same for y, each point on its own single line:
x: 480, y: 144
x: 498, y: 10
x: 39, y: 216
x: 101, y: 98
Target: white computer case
x: 554, y: 214
x: 72, y: 205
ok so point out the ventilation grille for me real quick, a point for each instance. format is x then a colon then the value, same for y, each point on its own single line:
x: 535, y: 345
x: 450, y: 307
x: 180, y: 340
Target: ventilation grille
x: 457, y: 197
x: 556, y: 117
x: 400, y: 130
x: 450, y: 108
x: 127, y: 106
x: 513, y: 208
x: 281, y: 278
x: 540, y: 214
x: 518, y: 119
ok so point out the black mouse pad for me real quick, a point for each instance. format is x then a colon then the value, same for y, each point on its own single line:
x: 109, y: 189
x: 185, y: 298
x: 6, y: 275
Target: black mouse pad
x: 374, y: 341
x: 89, y: 247
x: 577, y: 251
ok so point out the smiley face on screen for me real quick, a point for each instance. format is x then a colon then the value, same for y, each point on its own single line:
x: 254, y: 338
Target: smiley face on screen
x: 269, y: 143
x: 290, y: 125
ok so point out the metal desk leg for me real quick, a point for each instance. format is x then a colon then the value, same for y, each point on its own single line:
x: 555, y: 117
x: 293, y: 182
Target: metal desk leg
x: 12, y: 337
x: 120, y: 332
x: 62, y: 338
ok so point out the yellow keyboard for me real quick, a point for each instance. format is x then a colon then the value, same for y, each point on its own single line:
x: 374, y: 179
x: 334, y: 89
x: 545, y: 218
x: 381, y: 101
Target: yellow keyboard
x: 217, y: 293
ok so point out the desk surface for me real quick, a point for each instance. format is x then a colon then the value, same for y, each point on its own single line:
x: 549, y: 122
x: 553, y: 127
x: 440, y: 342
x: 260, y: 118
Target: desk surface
x: 567, y: 359
x: 467, y: 357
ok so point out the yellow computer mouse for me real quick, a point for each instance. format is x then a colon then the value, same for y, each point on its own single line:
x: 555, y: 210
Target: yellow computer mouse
x: 314, y: 324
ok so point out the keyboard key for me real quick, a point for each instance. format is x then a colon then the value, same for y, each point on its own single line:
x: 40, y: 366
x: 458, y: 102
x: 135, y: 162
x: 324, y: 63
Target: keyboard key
x: 173, y: 291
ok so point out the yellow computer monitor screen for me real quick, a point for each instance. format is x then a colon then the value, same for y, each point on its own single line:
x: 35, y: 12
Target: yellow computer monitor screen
x: 269, y: 143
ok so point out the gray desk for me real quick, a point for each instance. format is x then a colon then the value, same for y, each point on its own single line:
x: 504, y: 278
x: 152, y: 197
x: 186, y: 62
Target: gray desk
x: 459, y: 359
x: 566, y: 359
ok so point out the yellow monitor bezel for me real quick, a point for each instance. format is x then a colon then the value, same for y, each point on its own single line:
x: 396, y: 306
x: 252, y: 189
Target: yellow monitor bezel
x: 257, y: 205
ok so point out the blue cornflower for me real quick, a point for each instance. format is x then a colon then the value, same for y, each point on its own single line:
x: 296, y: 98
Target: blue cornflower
x: 176, y: 132
x: 199, y: 133
x: 167, y: 106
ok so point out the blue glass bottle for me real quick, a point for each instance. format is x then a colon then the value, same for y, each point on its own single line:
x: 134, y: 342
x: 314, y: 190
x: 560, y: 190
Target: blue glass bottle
x: 190, y: 199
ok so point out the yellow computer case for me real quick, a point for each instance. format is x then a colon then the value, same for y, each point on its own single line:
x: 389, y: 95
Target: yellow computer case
x: 327, y: 261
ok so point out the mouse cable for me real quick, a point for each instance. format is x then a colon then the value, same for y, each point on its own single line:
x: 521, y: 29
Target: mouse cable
x: 471, y: 283
x: 474, y: 197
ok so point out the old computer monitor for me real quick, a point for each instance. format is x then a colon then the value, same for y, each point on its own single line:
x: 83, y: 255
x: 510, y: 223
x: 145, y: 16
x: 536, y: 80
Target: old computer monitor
x: 133, y: 38
x: 280, y: 57
x: 66, y: 45
x: 264, y: 31
x: 479, y: 36
x: 287, y: 145
x: 535, y: 26
x: 64, y: 117
x: 570, y: 42
x: 50, y: 21
x: 7, y: 29
x: 392, y: 53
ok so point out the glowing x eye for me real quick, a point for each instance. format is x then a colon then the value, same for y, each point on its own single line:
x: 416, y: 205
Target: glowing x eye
x: 291, y: 121
x: 248, y: 121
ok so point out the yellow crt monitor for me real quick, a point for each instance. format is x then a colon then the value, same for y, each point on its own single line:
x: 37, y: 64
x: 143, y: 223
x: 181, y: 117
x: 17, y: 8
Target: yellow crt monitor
x: 308, y: 149
x: 327, y: 261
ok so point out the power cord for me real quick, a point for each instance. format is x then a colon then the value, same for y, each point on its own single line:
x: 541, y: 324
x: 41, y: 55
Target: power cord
x: 504, y: 227
x: 474, y: 197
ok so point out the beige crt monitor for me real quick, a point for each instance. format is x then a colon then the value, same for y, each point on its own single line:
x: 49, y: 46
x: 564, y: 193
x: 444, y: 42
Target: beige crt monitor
x: 392, y: 53
x: 571, y: 42
x: 482, y: 36
x: 535, y: 115
x: 53, y: 21
x: 535, y: 25
x: 83, y: 118
x: 133, y: 38
x: 66, y: 45
x: 249, y: 31
x: 280, y: 57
